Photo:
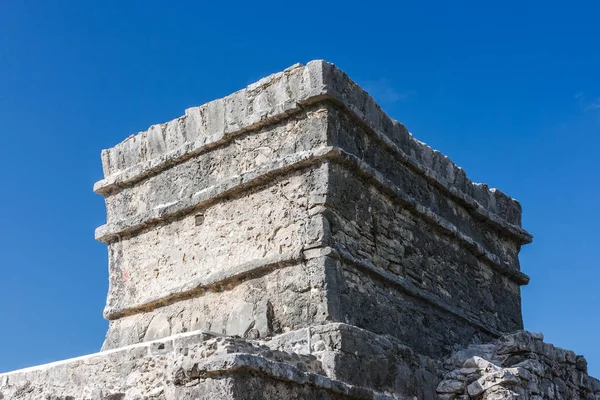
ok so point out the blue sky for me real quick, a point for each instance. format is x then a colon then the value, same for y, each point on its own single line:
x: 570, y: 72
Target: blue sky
x: 511, y: 92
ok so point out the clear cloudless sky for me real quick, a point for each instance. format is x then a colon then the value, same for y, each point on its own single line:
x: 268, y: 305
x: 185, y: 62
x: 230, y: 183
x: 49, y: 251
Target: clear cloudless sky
x: 509, y: 90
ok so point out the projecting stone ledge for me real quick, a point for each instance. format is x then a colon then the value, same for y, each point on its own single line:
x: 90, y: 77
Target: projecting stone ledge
x: 276, y: 98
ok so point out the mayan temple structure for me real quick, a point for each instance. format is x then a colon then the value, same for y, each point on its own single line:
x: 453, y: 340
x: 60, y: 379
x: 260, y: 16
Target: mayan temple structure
x: 292, y: 241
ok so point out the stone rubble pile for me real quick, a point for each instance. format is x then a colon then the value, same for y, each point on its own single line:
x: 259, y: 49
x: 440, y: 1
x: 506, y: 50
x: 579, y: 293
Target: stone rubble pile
x: 517, y: 366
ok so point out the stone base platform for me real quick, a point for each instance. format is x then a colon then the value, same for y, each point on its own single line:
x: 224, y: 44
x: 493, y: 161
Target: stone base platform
x: 334, y: 361
x: 292, y: 241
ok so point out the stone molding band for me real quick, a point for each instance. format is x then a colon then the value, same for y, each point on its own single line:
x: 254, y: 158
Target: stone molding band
x: 227, y: 187
x: 240, y: 183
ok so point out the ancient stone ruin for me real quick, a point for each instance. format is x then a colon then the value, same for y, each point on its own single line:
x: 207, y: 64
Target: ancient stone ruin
x: 292, y: 241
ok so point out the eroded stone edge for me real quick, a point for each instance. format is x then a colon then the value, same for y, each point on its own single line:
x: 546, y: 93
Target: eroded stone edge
x: 234, y: 184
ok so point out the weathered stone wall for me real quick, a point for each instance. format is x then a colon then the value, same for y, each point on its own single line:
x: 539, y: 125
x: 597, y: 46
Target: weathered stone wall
x: 406, y: 254
x: 269, y: 224
x: 251, y: 151
x: 368, y: 154
x: 332, y: 361
x: 369, y: 301
x: 282, y: 298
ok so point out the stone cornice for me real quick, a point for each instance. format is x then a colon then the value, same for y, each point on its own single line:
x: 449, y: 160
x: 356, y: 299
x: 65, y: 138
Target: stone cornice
x: 275, y: 98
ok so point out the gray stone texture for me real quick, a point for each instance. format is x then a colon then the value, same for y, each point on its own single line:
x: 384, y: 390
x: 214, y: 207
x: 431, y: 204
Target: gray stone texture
x: 293, y: 241
x: 330, y: 361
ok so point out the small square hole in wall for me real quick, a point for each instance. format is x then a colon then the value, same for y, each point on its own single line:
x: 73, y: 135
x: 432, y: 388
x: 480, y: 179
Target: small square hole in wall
x: 199, y: 219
